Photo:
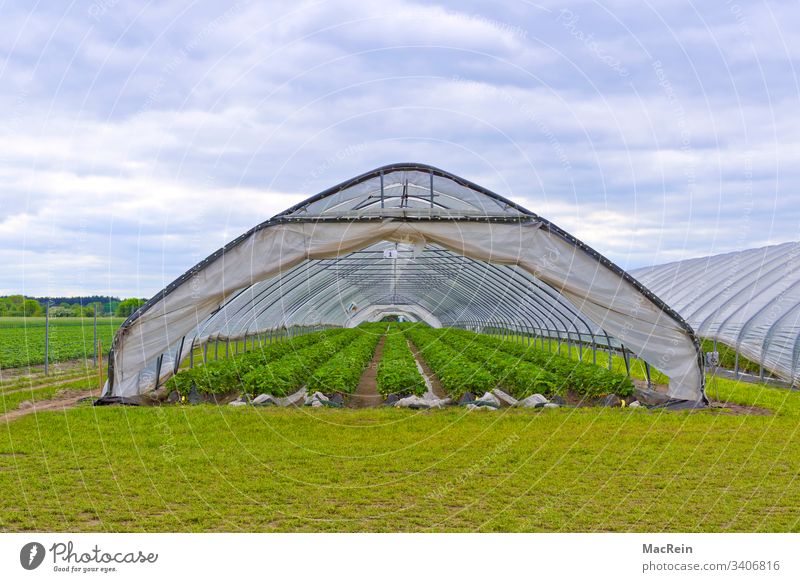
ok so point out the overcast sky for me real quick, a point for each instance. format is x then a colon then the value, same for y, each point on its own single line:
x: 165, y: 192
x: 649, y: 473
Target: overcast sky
x: 136, y: 138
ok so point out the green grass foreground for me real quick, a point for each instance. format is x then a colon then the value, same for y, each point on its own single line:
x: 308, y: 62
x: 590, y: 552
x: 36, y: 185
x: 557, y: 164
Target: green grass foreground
x: 207, y: 468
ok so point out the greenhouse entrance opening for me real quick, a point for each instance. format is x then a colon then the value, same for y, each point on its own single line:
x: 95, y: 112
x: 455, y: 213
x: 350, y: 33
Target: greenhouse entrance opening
x: 414, y: 241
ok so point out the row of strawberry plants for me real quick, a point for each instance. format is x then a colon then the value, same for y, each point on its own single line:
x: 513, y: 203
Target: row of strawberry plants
x: 583, y: 378
x: 221, y: 376
x: 456, y: 373
x: 343, y: 371
x: 397, y: 371
x: 288, y: 374
x: 519, y: 378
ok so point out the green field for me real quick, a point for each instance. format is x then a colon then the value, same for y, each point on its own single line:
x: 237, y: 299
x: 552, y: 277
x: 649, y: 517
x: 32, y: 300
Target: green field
x: 22, y: 339
x: 218, y: 468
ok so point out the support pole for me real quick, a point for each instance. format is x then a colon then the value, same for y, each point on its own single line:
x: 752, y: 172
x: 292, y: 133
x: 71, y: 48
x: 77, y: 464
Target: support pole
x: 100, y: 364
x: 627, y: 361
x: 381, y: 188
x: 178, y: 355
x: 159, y: 361
x: 431, y: 173
x: 94, y: 337
x: 47, y: 337
x: 647, y: 375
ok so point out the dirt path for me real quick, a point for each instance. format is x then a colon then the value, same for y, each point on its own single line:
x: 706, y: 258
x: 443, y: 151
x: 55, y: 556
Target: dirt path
x: 61, y: 402
x: 366, y: 395
x: 430, y: 378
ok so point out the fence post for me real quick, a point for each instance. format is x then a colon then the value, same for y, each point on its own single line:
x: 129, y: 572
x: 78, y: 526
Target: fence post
x: 94, y: 343
x: 46, y: 336
x: 627, y: 361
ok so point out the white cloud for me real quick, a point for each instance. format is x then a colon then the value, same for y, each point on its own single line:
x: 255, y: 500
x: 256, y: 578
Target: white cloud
x: 143, y: 140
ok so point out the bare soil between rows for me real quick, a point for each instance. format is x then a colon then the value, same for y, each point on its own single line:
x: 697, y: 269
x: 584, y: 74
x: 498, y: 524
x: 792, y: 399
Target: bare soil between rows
x: 366, y: 394
x: 436, y: 386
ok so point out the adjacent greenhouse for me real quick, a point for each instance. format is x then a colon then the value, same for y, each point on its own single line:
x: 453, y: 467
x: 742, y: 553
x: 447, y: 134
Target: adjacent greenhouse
x: 411, y: 240
x: 749, y: 300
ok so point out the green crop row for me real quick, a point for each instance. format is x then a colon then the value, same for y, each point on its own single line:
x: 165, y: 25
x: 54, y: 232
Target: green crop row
x: 221, y: 376
x: 22, y: 342
x: 397, y: 371
x: 518, y: 377
x: 343, y: 371
x: 286, y: 375
x: 456, y: 373
x: 583, y: 378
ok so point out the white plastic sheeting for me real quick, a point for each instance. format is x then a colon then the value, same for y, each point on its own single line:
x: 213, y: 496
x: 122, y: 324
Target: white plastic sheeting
x: 404, y: 235
x: 749, y: 300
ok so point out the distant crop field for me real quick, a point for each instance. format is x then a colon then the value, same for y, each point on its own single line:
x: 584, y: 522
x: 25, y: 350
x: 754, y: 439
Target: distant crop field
x: 22, y: 339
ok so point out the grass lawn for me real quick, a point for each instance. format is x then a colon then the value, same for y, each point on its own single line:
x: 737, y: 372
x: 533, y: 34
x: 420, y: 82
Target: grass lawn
x: 207, y: 468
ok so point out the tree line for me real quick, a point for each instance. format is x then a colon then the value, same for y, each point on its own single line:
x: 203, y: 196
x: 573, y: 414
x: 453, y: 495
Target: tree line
x: 21, y: 306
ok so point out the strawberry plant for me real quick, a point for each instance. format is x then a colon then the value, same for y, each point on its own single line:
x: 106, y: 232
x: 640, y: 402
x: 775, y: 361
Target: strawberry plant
x: 221, y: 376
x: 343, y: 371
x: 397, y: 371
x: 286, y: 375
x: 519, y: 378
x: 456, y: 373
x: 583, y: 378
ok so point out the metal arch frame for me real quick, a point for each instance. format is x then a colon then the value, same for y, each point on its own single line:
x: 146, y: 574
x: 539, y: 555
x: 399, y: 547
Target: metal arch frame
x: 466, y: 264
x: 415, y: 312
x: 453, y: 289
x: 292, y: 309
x: 502, y: 202
x: 479, y: 269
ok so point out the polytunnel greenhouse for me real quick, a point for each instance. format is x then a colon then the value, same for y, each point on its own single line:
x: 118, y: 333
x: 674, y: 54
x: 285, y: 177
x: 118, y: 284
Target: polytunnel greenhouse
x: 410, y: 240
x: 749, y: 300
